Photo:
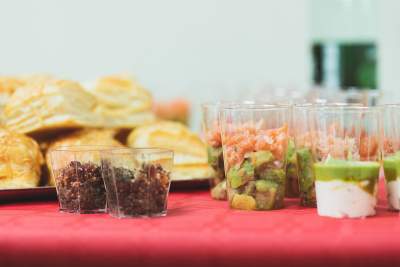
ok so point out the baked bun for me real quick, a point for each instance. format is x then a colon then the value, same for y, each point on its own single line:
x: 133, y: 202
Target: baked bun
x: 122, y: 102
x: 85, y: 137
x: 20, y: 161
x: 190, y: 156
x: 8, y: 85
x: 49, y: 104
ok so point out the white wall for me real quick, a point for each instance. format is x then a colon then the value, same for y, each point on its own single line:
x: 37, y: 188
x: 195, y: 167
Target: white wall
x: 174, y: 47
x: 389, y: 49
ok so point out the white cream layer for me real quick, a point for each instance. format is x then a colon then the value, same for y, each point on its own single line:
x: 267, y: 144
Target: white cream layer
x: 393, y: 194
x: 341, y: 199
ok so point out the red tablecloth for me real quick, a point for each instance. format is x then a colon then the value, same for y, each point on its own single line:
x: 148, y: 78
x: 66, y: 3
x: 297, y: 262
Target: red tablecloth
x: 197, y: 232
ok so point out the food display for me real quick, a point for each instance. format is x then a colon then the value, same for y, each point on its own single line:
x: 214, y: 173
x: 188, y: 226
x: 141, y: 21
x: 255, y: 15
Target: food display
x: 20, y: 161
x: 190, y: 153
x: 78, y: 178
x: 391, y: 153
x: 347, y: 161
x: 137, y: 181
x: 254, y: 155
x: 85, y: 137
x: 212, y: 133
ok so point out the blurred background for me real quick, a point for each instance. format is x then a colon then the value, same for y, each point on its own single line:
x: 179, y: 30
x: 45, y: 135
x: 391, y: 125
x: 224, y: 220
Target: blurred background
x: 207, y: 50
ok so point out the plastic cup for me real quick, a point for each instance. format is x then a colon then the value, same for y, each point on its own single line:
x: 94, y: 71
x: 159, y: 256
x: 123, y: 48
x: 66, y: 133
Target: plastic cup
x: 254, y: 139
x: 212, y: 134
x: 137, y: 181
x: 346, y: 147
x: 78, y: 178
x: 391, y: 154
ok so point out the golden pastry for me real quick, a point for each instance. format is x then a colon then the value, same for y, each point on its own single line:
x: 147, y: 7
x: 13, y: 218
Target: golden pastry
x: 85, y: 137
x: 122, y: 101
x: 190, y: 156
x: 8, y: 85
x: 50, y: 104
x: 20, y: 161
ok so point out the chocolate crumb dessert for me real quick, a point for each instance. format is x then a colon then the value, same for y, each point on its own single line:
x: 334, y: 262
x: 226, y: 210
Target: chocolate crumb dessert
x: 80, y: 188
x: 137, y: 192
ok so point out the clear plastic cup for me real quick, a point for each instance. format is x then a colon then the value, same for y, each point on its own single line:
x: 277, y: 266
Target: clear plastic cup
x: 304, y: 154
x: 137, y: 181
x: 212, y: 134
x: 391, y: 154
x: 78, y: 178
x: 346, y: 144
x: 254, y: 139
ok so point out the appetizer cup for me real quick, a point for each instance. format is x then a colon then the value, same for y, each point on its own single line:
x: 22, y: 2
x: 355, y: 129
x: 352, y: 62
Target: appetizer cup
x: 212, y: 134
x: 391, y: 153
x: 254, y: 139
x: 77, y: 174
x: 346, y: 148
x: 304, y: 155
x: 137, y: 181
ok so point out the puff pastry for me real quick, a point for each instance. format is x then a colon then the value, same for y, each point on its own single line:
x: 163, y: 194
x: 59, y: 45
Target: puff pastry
x: 44, y: 104
x: 95, y: 137
x: 122, y: 101
x: 20, y: 161
x: 190, y: 157
x: 8, y: 85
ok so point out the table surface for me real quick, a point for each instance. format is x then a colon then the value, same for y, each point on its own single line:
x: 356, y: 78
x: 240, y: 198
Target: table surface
x: 197, y: 231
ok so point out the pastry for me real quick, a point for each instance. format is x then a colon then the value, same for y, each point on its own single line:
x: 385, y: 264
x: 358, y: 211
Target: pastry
x: 8, y: 85
x: 190, y: 156
x: 45, y: 104
x: 85, y: 137
x: 20, y: 161
x: 121, y: 101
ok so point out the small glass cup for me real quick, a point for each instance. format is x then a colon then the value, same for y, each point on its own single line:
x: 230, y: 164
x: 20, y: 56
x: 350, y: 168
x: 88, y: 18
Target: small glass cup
x: 254, y: 139
x: 137, y: 181
x: 391, y: 154
x: 78, y: 178
x: 346, y: 144
x: 212, y: 134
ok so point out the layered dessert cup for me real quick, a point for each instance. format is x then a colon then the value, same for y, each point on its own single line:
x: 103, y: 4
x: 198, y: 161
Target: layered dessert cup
x: 346, y: 154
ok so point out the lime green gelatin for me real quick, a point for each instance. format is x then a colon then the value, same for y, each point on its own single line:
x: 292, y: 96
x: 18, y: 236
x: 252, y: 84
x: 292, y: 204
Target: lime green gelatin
x: 349, y: 171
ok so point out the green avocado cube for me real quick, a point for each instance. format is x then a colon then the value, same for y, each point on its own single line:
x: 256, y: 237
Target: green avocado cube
x: 260, y: 158
x: 265, y: 185
x: 266, y: 200
x: 235, y: 180
x: 275, y: 175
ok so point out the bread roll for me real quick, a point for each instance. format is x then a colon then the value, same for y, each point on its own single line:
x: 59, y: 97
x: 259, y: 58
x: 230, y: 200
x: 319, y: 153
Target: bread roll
x: 190, y: 156
x: 122, y: 102
x: 20, y: 161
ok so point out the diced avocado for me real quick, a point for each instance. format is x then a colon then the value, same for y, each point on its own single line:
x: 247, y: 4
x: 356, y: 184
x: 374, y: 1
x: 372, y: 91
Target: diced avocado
x: 276, y: 175
x: 241, y: 175
x: 250, y: 188
x: 266, y: 200
x: 260, y: 158
x: 214, y: 154
x: 219, y: 191
x: 305, y: 165
x: 243, y: 202
x: 265, y: 185
x: 235, y: 180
